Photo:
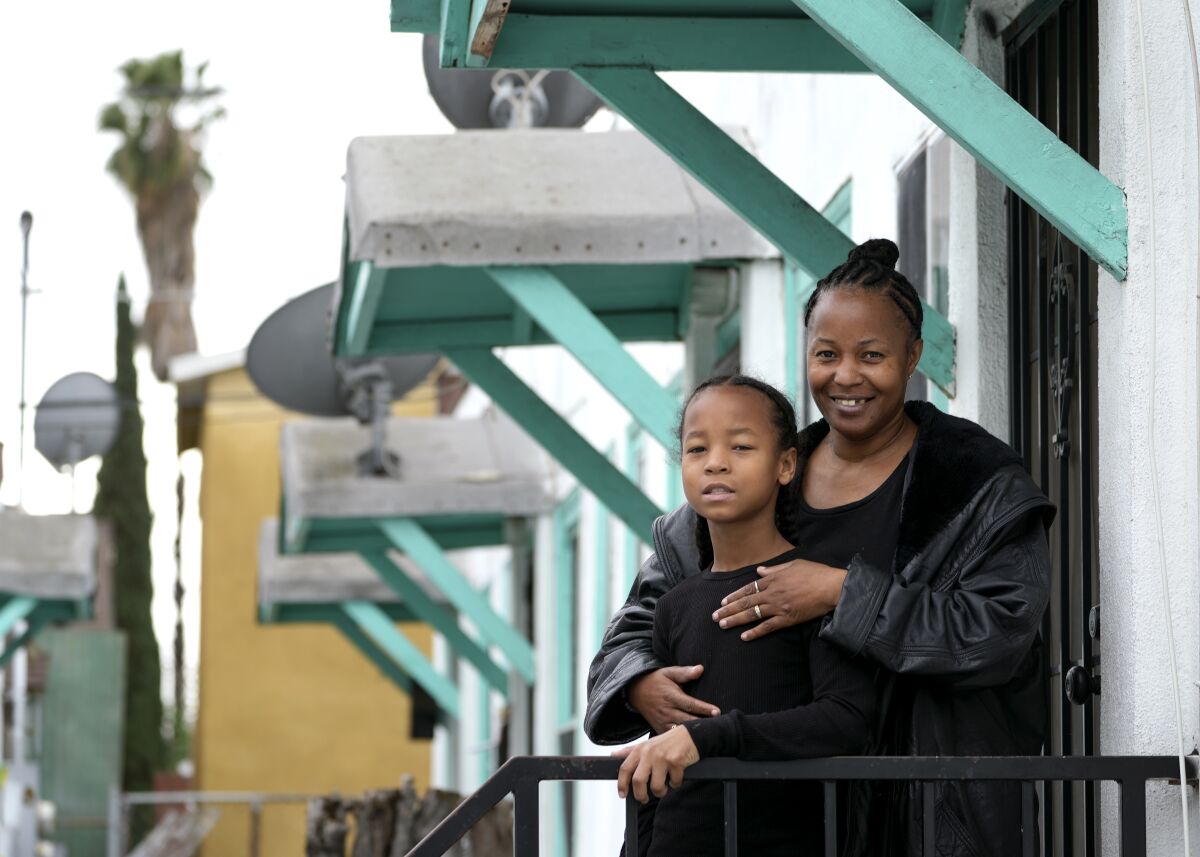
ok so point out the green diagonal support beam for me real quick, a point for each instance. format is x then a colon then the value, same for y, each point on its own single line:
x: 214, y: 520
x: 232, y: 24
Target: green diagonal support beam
x: 355, y: 635
x: 557, y: 310
x: 33, y: 626
x: 15, y: 610
x: 965, y: 103
x: 378, y: 628
x: 949, y: 20
x: 559, y: 438
x: 411, y: 538
x: 719, y: 163
x: 456, y: 22
x: 439, y: 618
x: 364, y: 304
x: 739, y: 179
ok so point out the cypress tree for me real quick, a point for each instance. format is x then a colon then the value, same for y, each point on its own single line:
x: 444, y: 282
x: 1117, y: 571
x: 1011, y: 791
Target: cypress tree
x: 121, y: 498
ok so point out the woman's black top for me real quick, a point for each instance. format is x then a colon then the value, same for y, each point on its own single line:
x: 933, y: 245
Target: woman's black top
x: 788, y: 695
x: 870, y: 526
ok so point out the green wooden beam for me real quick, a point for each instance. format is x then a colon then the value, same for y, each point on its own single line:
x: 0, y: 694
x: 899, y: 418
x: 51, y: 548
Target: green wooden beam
x: 564, y: 316
x: 949, y: 20
x: 937, y: 358
x: 409, y: 537
x: 379, y: 630
x: 668, y: 44
x: 749, y: 188
x: 487, y: 19
x: 416, y: 16
x: 15, y: 609
x: 34, y: 624
x: 1055, y: 180
x: 317, y: 613
x: 358, y: 638
x: 438, y: 616
x: 719, y: 163
x: 364, y: 304
x: 456, y: 20
x: 559, y: 438
x: 391, y: 336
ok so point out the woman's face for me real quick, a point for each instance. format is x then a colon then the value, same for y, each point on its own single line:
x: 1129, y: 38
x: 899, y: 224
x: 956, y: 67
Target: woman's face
x: 732, y: 466
x: 859, y: 360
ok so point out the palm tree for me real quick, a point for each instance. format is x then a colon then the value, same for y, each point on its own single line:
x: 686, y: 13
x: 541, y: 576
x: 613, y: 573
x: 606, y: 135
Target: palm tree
x: 159, y: 162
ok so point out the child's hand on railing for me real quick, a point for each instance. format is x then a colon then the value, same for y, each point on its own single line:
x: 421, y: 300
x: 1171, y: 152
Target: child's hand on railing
x: 656, y: 765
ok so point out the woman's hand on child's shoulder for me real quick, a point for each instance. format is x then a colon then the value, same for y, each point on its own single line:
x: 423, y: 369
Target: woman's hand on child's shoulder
x: 785, y: 595
x: 657, y: 765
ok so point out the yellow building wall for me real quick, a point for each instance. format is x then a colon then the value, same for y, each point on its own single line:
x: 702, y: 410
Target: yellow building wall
x: 283, y: 708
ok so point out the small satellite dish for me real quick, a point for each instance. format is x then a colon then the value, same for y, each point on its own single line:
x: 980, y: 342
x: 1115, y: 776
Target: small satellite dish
x: 289, y: 360
x: 77, y: 418
x: 507, y: 98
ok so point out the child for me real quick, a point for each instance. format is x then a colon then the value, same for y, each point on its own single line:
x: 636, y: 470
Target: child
x: 788, y: 695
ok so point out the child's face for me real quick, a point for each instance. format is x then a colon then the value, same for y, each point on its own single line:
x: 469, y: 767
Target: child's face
x: 731, y: 462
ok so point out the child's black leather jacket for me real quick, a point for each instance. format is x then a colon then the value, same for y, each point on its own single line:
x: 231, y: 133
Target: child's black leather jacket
x: 955, y: 623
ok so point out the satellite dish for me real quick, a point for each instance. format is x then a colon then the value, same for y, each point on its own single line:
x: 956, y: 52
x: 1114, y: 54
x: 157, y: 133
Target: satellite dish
x: 77, y: 418
x: 289, y: 361
x: 507, y: 98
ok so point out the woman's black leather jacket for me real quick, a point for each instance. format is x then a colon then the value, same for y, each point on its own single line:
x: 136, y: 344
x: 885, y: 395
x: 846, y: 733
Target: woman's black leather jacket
x: 955, y: 623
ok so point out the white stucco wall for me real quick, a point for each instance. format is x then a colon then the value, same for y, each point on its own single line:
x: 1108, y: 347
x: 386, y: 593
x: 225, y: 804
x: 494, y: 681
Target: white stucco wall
x: 1148, y: 361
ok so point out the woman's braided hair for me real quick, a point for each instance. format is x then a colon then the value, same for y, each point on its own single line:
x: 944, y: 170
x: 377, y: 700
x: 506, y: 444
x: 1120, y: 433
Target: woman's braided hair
x: 783, y: 418
x: 872, y: 266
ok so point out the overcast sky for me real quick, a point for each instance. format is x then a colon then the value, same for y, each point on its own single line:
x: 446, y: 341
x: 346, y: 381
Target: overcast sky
x: 301, y: 79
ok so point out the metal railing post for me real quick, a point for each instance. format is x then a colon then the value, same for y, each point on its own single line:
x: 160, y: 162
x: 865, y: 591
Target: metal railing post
x: 831, y: 825
x: 113, y: 833
x: 1028, y: 820
x: 525, y: 819
x: 255, y: 828
x: 928, y: 816
x: 731, y: 832
x: 1133, y: 817
x: 631, y: 826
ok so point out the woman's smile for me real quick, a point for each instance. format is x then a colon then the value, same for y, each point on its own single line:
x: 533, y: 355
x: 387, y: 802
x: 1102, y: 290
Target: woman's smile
x: 851, y: 406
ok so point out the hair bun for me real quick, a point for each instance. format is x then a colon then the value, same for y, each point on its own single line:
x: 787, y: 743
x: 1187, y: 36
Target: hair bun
x: 881, y: 251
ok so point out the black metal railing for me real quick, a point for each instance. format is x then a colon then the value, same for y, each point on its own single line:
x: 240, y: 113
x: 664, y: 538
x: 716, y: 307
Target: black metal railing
x: 521, y: 777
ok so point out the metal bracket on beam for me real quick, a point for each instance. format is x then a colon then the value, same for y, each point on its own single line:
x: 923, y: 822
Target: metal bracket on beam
x: 409, y: 537
x: 556, y: 309
x: 559, y: 438
x: 438, y: 617
x: 965, y: 103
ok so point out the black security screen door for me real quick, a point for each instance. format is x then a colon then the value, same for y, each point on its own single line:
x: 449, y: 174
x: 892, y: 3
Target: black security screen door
x: 1052, y: 72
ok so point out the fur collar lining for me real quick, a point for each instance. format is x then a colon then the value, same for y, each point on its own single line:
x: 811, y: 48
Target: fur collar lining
x: 952, y: 460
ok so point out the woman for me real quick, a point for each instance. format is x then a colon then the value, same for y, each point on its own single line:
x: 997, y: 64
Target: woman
x: 953, y: 619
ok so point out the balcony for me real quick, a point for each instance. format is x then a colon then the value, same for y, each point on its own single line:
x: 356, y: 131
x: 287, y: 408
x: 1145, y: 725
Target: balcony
x: 521, y: 777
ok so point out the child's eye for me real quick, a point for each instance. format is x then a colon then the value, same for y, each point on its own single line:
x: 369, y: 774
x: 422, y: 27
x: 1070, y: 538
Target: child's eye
x: 693, y: 450
x: 741, y: 447
x: 873, y: 355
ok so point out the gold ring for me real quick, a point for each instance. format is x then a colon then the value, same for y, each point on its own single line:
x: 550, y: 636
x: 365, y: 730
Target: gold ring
x: 757, y: 611
x: 756, y: 589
